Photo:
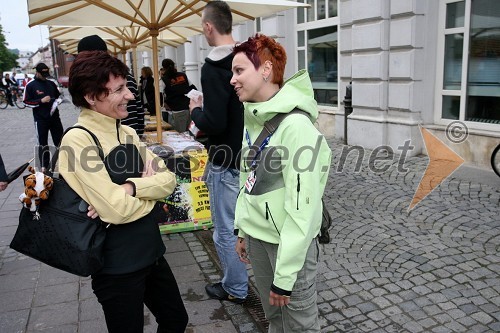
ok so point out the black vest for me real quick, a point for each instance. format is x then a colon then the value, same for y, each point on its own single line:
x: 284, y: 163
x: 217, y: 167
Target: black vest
x: 135, y: 245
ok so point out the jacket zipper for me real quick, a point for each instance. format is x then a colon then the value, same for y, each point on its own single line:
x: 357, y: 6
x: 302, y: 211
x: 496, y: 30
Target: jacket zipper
x: 298, y: 190
x: 268, y: 214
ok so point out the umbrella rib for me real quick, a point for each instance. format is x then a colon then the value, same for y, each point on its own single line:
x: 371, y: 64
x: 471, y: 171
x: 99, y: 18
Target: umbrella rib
x: 123, y: 32
x: 174, y: 17
x: 113, y: 10
x: 135, y: 33
x: 115, y: 44
x: 138, y: 12
x: 41, y: 9
x: 175, y: 33
x: 53, y: 6
x: 120, y: 34
x: 160, y: 13
x: 55, y: 33
x: 237, y: 12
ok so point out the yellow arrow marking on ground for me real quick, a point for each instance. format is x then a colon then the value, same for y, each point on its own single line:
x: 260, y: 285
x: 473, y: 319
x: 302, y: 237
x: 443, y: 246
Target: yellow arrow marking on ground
x: 442, y: 163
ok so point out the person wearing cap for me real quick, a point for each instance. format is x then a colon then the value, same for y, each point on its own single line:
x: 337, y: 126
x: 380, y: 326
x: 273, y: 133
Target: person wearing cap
x: 7, y: 84
x: 40, y: 95
x: 135, y: 118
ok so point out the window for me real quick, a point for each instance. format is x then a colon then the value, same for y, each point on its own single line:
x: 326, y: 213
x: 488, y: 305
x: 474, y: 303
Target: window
x: 470, y: 55
x: 317, y: 47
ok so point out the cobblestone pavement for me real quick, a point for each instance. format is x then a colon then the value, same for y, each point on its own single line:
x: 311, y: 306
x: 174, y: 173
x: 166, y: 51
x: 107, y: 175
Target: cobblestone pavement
x: 433, y: 269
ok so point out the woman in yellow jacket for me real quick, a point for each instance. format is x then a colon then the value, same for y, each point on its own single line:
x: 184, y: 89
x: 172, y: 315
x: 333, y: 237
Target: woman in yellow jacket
x: 122, y: 190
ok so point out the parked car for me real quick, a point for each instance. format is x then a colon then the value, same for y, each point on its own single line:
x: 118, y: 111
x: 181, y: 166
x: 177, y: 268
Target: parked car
x: 63, y: 81
x: 331, y: 76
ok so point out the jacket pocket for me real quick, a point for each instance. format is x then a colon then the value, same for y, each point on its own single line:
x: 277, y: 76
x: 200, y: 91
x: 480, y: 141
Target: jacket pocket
x: 304, y: 298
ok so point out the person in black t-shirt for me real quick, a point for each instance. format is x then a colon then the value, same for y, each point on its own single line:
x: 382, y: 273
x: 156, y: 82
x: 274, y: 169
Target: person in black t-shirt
x: 176, y: 87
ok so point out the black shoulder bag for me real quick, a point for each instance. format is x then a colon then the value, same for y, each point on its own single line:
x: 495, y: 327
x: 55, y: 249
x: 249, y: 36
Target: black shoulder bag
x: 63, y: 236
x: 270, y: 127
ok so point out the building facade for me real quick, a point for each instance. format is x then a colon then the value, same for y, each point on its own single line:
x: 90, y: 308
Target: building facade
x: 410, y: 63
x: 23, y: 59
x: 429, y: 63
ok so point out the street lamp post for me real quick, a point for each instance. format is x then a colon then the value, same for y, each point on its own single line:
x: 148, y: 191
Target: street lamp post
x: 54, y: 59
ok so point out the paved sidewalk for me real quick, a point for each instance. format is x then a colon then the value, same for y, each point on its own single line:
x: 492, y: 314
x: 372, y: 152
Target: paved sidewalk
x: 433, y: 269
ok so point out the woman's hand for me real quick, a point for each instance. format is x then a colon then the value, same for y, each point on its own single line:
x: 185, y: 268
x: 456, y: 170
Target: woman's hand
x: 3, y: 186
x: 92, y: 212
x: 241, y: 249
x: 196, y: 102
x: 278, y: 300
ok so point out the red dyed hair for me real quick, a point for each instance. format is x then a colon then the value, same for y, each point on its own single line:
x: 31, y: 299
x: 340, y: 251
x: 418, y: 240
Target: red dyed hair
x: 260, y: 49
x: 89, y: 74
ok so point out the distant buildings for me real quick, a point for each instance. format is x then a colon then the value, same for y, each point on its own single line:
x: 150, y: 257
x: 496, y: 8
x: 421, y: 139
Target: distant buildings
x: 24, y: 59
x: 43, y: 54
x: 28, y: 60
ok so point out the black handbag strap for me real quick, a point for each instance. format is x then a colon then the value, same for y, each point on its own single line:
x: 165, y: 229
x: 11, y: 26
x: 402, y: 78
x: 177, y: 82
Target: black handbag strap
x: 96, y: 140
x: 270, y: 127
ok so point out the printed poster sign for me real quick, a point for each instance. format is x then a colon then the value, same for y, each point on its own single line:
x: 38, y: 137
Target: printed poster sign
x: 188, y: 208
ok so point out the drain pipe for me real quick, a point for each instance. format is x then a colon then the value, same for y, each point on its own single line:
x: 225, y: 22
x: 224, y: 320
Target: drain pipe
x: 347, y: 108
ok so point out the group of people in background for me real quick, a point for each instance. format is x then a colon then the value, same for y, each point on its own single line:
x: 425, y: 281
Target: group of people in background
x: 269, y: 219
x: 174, y: 86
x: 7, y: 84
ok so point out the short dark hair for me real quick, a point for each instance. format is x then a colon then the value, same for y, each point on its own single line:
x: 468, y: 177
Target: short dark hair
x: 89, y: 74
x: 219, y: 14
x: 167, y: 63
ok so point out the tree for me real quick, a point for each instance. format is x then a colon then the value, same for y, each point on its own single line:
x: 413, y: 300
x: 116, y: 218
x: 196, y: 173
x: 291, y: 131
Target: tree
x: 7, y: 58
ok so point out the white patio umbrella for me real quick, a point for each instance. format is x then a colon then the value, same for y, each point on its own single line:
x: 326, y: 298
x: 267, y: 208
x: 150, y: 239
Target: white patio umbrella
x: 154, y: 15
x: 121, y: 39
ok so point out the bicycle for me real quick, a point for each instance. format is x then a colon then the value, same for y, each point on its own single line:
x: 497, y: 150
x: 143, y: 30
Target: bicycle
x: 495, y: 160
x: 17, y: 97
x: 3, y: 99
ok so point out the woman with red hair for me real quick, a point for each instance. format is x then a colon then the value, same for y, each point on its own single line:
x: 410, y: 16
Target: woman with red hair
x: 278, y: 212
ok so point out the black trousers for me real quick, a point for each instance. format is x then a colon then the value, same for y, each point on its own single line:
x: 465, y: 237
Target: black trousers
x: 123, y: 296
x: 151, y: 108
x: 43, y: 127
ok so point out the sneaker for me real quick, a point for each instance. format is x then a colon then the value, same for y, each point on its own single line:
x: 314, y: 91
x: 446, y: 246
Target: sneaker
x: 216, y: 291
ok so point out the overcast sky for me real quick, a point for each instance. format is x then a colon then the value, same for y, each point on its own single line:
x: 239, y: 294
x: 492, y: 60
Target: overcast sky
x: 14, y: 20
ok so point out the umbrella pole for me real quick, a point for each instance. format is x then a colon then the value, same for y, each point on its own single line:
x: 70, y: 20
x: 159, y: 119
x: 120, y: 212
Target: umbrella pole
x: 135, y: 63
x: 154, y: 34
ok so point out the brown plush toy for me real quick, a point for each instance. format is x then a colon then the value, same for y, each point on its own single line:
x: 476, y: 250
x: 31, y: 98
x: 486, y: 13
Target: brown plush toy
x: 36, y: 188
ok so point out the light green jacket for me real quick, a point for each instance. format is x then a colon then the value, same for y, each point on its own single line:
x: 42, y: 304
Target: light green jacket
x: 284, y: 206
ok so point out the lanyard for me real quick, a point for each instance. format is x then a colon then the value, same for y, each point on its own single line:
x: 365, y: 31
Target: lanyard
x: 261, y: 147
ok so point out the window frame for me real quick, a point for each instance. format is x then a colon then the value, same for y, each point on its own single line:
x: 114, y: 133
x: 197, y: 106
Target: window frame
x: 311, y: 25
x: 440, y: 66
